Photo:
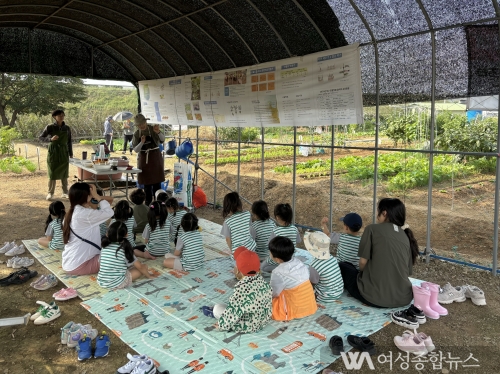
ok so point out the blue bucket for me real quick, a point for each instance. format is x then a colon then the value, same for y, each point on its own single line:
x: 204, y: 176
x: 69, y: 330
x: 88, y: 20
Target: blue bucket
x: 185, y: 149
x: 171, y: 144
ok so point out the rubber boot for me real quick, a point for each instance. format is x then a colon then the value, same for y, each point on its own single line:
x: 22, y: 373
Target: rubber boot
x: 433, y: 303
x: 422, y: 298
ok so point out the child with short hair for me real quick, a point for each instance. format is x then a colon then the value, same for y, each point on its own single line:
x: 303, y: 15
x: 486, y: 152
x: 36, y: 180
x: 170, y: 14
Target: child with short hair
x: 189, y: 254
x: 330, y: 284
x: 237, y: 227
x: 138, y: 197
x: 175, y: 214
x: 250, y: 306
x: 156, y: 233
x: 263, y: 226
x: 118, y: 266
x: 124, y: 213
x: 348, y: 241
x: 283, y: 214
x: 293, y: 294
x: 53, y: 238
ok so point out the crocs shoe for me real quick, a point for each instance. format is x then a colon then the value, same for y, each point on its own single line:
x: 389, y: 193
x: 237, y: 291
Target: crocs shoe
x: 65, y: 332
x: 48, y: 282
x: 17, y: 250
x: 134, y: 360
x: 84, y: 348
x: 43, y: 305
x: 47, y: 315
x: 449, y: 294
x: 68, y: 293
x: 475, y: 294
x: 7, y: 247
x: 102, y: 345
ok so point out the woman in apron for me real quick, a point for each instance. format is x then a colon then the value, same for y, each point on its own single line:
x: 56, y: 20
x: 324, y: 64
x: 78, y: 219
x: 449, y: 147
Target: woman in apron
x: 60, y: 150
x: 146, y: 143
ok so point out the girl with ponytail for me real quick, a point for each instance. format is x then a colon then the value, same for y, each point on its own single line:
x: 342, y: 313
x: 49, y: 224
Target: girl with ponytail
x: 53, y: 238
x: 156, y: 233
x: 119, y: 267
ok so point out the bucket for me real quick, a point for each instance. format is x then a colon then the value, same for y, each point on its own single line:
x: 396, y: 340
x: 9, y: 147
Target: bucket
x: 185, y: 149
x: 171, y: 144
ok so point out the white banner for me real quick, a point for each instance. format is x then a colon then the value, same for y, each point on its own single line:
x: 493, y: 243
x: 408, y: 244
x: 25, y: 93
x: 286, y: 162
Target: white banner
x: 320, y: 89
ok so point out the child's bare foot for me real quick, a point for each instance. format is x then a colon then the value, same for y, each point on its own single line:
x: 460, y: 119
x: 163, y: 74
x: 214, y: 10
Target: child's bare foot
x: 149, y: 256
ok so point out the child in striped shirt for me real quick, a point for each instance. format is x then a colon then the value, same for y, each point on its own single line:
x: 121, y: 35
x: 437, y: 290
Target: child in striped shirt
x: 348, y: 241
x: 237, y: 227
x: 125, y: 214
x: 263, y: 226
x: 156, y: 233
x: 118, y: 266
x: 174, y: 218
x: 330, y: 284
x: 53, y: 238
x: 189, y: 254
x: 283, y: 214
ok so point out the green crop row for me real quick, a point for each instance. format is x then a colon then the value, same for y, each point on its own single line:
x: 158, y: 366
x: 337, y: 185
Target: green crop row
x: 16, y: 164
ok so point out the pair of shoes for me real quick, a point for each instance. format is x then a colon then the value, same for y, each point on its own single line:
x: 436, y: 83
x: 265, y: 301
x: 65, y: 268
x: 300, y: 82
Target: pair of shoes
x: 7, y: 247
x: 417, y: 343
x: 45, y: 282
x: 84, y: 348
x: 208, y: 311
x: 410, y: 318
x: 362, y: 343
x: 425, y: 297
x: 137, y: 364
x: 65, y: 294
x: 72, y: 333
x: 46, y: 313
x: 20, y: 262
x: 449, y: 294
x: 336, y: 345
x: 49, y: 196
x: 18, y: 277
x: 17, y: 250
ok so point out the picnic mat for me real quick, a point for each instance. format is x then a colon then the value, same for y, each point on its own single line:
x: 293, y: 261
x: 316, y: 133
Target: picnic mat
x: 86, y: 285
x: 162, y: 318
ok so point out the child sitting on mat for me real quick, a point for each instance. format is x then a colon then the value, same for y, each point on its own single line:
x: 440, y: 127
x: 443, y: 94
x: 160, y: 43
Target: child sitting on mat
x: 124, y: 213
x: 237, y: 227
x: 118, y: 266
x: 53, y: 238
x: 189, y: 254
x: 249, y: 307
x: 293, y: 294
x: 175, y: 214
x: 283, y: 214
x: 263, y: 226
x: 138, y: 197
x: 156, y: 233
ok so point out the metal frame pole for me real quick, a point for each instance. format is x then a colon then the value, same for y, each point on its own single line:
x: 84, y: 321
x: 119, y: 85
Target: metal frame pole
x: 239, y: 163
x: 377, y: 133
x: 294, y: 186
x: 332, y: 159
x: 215, y: 166
x: 262, y: 190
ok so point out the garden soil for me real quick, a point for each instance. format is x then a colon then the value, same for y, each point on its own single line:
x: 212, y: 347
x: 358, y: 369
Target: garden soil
x: 461, y: 228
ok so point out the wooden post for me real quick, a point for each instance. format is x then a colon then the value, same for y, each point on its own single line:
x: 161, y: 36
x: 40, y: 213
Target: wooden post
x: 38, y: 155
x: 26, y: 151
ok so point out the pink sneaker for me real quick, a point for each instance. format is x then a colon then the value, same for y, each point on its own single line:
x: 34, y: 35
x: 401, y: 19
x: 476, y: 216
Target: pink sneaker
x: 68, y: 293
x: 429, y: 345
x: 411, y: 343
x: 58, y: 292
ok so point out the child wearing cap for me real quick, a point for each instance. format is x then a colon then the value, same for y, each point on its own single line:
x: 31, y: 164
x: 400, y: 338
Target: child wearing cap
x: 293, y: 294
x: 250, y: 306
x: 330, y: 284
x: 348, y: 241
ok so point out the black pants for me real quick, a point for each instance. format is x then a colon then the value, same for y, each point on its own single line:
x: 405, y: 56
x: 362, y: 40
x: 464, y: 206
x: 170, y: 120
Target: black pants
x: 150, y: 190
x: 109, y: 142
x: 126, y: 139
x: 350, y: 277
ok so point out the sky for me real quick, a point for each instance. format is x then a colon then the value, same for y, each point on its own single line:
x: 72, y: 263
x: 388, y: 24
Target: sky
x: 107, y: 83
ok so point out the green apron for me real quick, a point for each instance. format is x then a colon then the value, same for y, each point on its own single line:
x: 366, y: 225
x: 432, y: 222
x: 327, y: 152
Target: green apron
x: 58, y: 158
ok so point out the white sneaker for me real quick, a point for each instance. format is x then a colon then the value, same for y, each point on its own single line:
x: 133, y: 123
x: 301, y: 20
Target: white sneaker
x: 17, y: 250
x: 47, y: 315
x: 49, y: 196
x: 23, y: 262
x: 43, y: 305
x: 134, y: 360
x: 12, y: 261
x: 65, y: 332
x: 65, y: 196
x: 449, y: 294
x: 475, y: 294
x: 145, y: 367
x: 73, y: 330
x: 7, y: 247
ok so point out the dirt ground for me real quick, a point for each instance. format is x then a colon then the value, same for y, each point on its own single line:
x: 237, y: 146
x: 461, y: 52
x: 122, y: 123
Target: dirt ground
x: 461, y: 228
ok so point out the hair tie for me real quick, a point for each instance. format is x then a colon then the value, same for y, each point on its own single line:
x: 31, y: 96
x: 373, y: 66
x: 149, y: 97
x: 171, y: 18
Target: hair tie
x: 162, y: 203
x: 405, y: 226
x: 152, y: 206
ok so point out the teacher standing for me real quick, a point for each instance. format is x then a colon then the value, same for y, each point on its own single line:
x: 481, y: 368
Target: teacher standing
x: 60, y: 150
x: 146, y: 143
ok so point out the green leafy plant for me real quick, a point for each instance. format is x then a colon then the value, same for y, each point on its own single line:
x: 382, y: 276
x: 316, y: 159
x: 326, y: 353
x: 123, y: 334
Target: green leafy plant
x: 7, y: 137
x: 16, y: 164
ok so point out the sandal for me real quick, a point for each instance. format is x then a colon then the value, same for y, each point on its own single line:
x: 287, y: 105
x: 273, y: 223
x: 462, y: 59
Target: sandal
x: 20, y: 278
x: 362, y: 343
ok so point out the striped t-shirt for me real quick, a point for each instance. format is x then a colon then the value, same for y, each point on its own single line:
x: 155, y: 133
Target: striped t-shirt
x: 239, y: 227
x: 54, y: 230
x: 347, y: 249
x: 330, y: 285
x: 158, y: 241
x: 193, y: 255
x: 289, y: 232
x: 130, y: 223
x: 174, y: 222
x: 113, y: 266
x: 263, y: 230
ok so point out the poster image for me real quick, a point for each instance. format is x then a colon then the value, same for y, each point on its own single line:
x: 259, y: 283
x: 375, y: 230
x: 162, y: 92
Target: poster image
x: 195, y: 88
x: 235, y: 77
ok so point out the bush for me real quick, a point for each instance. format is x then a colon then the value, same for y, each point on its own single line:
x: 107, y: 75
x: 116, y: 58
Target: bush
x: 7, y: 137
x: 16, y: 164
x: 402, y: 129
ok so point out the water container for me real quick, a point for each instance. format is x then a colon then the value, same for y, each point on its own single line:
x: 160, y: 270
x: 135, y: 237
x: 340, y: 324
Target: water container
x: 171, y: 144
x: 185, y: 149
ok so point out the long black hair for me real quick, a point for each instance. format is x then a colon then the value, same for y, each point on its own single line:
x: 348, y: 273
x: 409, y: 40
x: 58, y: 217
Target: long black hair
x: 260, y: 209
x: 171, y: 203
x: 117, y: 233
x: 395, y: 213
x: 232, y: 204
x: 123, y: 211
x: 156, y: 212
x: 285, y: 212
x: 78, y: 195
x: 56, y: 209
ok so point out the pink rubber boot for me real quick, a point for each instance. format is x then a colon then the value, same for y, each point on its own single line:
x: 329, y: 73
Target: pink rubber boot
x: 433, y: 303
x: 421, y: 299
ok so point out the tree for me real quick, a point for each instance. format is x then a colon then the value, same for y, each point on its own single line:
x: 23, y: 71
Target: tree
x: 40, y: 95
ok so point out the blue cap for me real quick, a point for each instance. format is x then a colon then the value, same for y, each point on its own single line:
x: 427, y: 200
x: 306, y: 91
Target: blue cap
x: 353, y: 221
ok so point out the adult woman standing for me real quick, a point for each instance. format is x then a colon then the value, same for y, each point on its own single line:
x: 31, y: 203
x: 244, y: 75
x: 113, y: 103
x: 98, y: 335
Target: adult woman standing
x: 81, y: 234
x: 60, y: 149
x: 388, y: 250
x: 146, y: 143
